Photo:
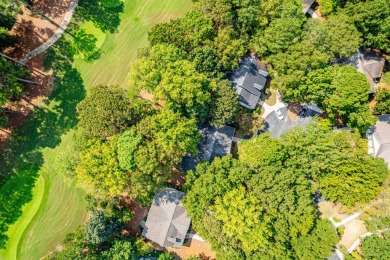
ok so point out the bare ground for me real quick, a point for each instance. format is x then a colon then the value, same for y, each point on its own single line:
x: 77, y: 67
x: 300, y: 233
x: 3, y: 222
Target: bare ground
x: 194, y: 247
x: 31, y: 31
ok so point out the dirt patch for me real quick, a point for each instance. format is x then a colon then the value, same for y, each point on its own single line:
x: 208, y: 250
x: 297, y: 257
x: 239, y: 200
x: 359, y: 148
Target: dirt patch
x: 353, y: 230
x: 293, y: 111
x: 139, y: 213
x: 178, y: 177
x: 271, y: 98
x: 31, y: 31
x: 193, y: 247
x: 329, y: 209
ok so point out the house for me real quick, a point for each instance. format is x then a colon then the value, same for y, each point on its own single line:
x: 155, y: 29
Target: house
x: 369, y: 63
x: 249, y: 80
x: 214, y: 142
x: 167, y: 222
x: 379, y: 139
x: 306, y: 6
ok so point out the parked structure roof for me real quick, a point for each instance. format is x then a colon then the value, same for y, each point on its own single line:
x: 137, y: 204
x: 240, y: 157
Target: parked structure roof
x: 167, y: 223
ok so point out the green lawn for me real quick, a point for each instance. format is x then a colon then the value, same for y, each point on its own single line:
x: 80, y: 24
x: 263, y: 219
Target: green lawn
x: 44, y: 207
x: 120, y: 49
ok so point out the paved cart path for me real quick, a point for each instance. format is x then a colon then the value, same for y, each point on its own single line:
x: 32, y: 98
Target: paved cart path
x: 57, y: 35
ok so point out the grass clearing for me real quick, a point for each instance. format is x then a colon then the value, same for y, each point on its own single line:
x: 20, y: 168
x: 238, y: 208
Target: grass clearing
x: 53, y: 208
x: 120, y: 49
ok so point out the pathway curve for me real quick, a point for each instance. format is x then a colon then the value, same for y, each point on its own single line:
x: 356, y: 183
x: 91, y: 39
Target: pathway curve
x: 57, y: 35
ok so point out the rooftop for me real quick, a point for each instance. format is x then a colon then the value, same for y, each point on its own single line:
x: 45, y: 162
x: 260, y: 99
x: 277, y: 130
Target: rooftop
x: 249, y: 79
x: 306, y: 4
x: 382, y: 138
x: 367, y: 62
x: 167, y: 223
x: 215, y: 142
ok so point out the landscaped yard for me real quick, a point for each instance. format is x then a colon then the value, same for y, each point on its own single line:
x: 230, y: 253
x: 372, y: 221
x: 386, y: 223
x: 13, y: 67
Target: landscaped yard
x: 54, y: 208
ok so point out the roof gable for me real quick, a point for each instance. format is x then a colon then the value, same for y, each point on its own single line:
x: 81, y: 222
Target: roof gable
x: 249, y: 79
x: 167, y: 223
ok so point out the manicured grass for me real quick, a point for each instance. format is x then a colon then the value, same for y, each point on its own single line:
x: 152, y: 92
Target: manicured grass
x: 120, y: 49
x: 53, y: 208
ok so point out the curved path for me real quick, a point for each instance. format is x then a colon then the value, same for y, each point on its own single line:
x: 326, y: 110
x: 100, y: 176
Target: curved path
x: 58, y: 33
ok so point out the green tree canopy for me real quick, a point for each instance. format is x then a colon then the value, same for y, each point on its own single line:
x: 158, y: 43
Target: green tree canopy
x: 184, y: 90
x: 127, y: 145
x: 225, y: 106
x: 99, y: 173
x: 100, y: 229
x: 105, y: 111
x: 382, y: 105
x: 375, y: 247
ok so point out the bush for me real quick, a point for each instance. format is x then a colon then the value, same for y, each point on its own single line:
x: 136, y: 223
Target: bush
x: 340, y: 231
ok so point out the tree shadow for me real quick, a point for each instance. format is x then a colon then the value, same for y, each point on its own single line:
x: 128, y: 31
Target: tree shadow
x: 21, y: 156
x: 104, y: 16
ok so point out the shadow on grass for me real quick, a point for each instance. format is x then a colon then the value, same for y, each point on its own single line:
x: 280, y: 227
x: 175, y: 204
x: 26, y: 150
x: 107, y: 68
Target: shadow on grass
x: 21, y: 156
x: 104, y: 13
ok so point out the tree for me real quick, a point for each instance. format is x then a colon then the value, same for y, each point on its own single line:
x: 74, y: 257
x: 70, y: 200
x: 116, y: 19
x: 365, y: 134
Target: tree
x: 382, y: 105
x: 280, y: 34
x: 187, y: 33
x: 375, y: 247
x: 240, y: 212
x: 291, y: 67
x: 336, y: 36
x: 105, y: 112
x: 205, y: 60
x: 100, y: 229
x: 318, y: 244
x: 372, y: 19
x: 98, y: 172
x: 127, y: 145
x: 219, y: 11
x: 172, y: 136
x: 167, y: 138
x: 225, y: 106
x: 348, y: 99
x: 147, y: 72
x: 184, y: 90
x: 230, y: 48
x: 11, y: 87
x: 121, y: 250
x: 165, y: 256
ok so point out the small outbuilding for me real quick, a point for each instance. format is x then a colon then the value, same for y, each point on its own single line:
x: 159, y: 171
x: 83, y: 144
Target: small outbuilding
x: 167, y: 223
x: 249, y: 80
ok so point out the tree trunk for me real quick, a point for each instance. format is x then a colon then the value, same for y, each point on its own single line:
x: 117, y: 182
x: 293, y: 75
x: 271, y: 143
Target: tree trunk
x: 21, y: 63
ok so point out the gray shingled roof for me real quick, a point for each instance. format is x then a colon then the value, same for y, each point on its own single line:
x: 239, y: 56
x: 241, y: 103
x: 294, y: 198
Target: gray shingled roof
x: 306, y: 4
x: 215, y: 142
x: 167, y: 223
x: 367, y: 62
x: 374, y: 67
x: 249, y: 79
x: 382, y: 138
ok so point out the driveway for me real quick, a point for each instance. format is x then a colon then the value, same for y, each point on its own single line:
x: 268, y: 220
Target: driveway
x: 277, y: 127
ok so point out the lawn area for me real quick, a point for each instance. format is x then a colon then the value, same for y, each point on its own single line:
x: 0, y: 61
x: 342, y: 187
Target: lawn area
x: 120, y: 49
x: 35, y: 198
